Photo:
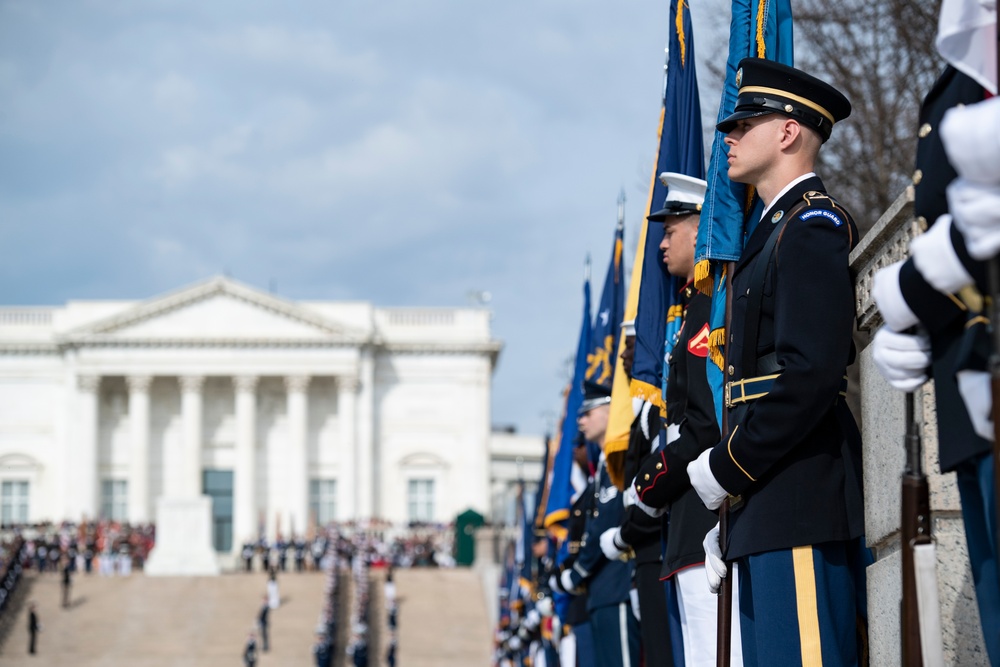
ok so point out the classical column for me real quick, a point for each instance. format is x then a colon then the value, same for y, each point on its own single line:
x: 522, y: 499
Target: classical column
x: 348, y: 486
x: 369, y: 468
x: 189, y: 484
x: 297, y: 506
x: 245, y: 473
x: 138, y: 467
x: 86, y: 475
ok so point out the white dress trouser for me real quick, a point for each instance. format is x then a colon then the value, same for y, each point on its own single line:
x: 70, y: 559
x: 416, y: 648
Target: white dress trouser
x: 699, y: 609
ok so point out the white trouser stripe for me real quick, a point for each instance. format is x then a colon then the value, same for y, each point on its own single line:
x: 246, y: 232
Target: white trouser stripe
x: 623, y: 629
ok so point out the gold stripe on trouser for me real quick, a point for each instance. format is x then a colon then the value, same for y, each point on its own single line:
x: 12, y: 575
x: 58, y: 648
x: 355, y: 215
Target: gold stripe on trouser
x: 805, y: 601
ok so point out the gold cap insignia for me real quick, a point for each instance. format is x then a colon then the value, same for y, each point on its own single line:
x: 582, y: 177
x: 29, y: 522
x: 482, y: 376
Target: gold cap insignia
x: 777, y: 216
x: 739, y: 77
x: 788, y: 108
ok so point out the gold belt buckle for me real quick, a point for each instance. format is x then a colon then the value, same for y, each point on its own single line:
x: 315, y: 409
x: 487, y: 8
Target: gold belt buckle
x: 727, y: 391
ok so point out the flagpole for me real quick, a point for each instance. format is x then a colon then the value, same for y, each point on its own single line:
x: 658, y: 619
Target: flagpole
x: 994, y: 364
x: 724, y: 628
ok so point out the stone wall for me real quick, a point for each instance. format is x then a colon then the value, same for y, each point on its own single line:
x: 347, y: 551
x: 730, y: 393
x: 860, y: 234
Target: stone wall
x: 882, y: 427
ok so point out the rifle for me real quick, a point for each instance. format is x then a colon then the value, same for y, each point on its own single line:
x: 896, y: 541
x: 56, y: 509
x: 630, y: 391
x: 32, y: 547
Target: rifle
x: 920, y: 621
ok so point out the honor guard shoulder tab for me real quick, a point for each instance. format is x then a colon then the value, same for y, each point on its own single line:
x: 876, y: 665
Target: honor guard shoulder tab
x: 821, y: 205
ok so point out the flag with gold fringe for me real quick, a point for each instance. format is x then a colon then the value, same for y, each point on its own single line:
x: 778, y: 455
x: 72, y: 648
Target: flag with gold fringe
x: 653, y: 293
x: 558, y: 503
x: 761, y: 29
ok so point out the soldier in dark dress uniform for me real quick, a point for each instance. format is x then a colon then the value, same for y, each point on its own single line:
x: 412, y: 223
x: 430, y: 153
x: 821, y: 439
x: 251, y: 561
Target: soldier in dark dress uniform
x: 614, y: 626
x: 639, y: 534
x: 791, y: 461
x: 940, y: 290
x: 662, y: 482
x: 577, y: 619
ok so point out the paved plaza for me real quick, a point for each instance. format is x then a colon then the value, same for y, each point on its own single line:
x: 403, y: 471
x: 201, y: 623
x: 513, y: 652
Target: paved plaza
x: 202, y: 621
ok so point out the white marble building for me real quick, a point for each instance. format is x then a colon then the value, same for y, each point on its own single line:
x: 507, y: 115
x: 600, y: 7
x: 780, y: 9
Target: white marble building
x: 280, y: 411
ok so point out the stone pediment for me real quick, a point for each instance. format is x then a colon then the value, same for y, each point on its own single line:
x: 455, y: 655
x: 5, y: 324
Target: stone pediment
x: 219, y: 309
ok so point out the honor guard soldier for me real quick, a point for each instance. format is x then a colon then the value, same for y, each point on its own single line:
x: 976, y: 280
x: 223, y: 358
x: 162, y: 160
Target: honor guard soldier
x: 577, y: 645
x: 607, y: 582
x: 791, y: 461
x: 662, y: 482
x: 940, y: 290
x: 640, y: 533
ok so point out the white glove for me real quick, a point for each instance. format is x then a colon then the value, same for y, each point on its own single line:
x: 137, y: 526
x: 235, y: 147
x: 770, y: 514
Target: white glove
x: 889, y: 298
x: 566, y: 581
x: 936, y: 259
x: 629, y: 497
x: 644, y: 418
x: 976, y: 212
x: 704, y: 482
x: 974, y: 386
x: 533, y: 619
x: 611, y: 543
x: 715, y: 567
x: 544, y: 606
x: 902, y: 359
x: 633, y: 599
x: 555, y: 584
x: 673, y: 432
x: 971, y: 140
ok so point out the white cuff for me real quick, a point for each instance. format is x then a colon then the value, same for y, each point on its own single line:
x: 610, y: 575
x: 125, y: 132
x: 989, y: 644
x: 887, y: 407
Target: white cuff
x: 889, y: 299
x: 971, y: 140
x: 974, y: 386
x: 704, y: 482
x: 936, y: 259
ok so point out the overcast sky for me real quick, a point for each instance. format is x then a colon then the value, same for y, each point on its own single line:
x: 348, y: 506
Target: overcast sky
x: 403, y: 153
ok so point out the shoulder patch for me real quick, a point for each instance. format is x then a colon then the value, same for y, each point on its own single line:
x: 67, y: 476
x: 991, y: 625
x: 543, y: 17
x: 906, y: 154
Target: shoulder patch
x: 698, y: 343
x: 829, y: 215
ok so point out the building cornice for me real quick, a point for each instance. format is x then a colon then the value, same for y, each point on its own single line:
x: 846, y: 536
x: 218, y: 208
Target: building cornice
x: 216, y: 286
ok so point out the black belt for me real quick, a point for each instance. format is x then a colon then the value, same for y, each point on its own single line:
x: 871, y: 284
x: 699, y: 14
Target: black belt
x: 750, y: 389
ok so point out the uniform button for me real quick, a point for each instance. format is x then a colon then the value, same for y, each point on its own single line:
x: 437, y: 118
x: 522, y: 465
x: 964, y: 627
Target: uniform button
x: 925, y: 129
x: 576, y: 513
x: 922, y: 221
x: 638, y: 488
x: 646, y: 477
x: 596, y: 513
x: 659, y: 466
x: 918, y: 176
x: 731, y: 369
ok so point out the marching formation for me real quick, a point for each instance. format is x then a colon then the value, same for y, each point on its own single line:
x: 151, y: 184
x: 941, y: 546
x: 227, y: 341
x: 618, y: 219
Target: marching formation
x: 703, y: 500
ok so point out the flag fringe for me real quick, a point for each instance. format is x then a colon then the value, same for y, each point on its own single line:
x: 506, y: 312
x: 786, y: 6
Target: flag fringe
x: 703, y: 277
x: 717, y: 341
x: 647, y: 392
x: 556, y: 517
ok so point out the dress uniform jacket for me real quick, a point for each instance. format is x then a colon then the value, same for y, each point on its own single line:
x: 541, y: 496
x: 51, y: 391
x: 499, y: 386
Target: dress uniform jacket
x: 792, y: 457
x: 607, y: 582
x: 663, y: 480
x: 945, y: 317
x: 576, y: 613
x: 639, y: 530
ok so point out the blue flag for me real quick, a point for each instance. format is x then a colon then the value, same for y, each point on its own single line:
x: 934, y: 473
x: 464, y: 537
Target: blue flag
x: 658, y: 316
x: 761, y: 29
x: 560, y: 488
x: 610, y: 313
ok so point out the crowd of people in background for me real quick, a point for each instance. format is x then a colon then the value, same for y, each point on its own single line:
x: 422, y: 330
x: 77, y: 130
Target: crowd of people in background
x: 106, y: 547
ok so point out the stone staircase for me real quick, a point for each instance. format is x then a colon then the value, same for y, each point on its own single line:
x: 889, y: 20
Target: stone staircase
x: 160, y: 622
x: 203, y: 621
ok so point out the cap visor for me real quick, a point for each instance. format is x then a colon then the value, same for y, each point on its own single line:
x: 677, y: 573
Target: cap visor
x: 728, y: 124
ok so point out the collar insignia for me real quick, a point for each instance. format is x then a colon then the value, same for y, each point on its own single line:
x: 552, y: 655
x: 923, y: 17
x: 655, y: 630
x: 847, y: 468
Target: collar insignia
x: 776, y: 217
